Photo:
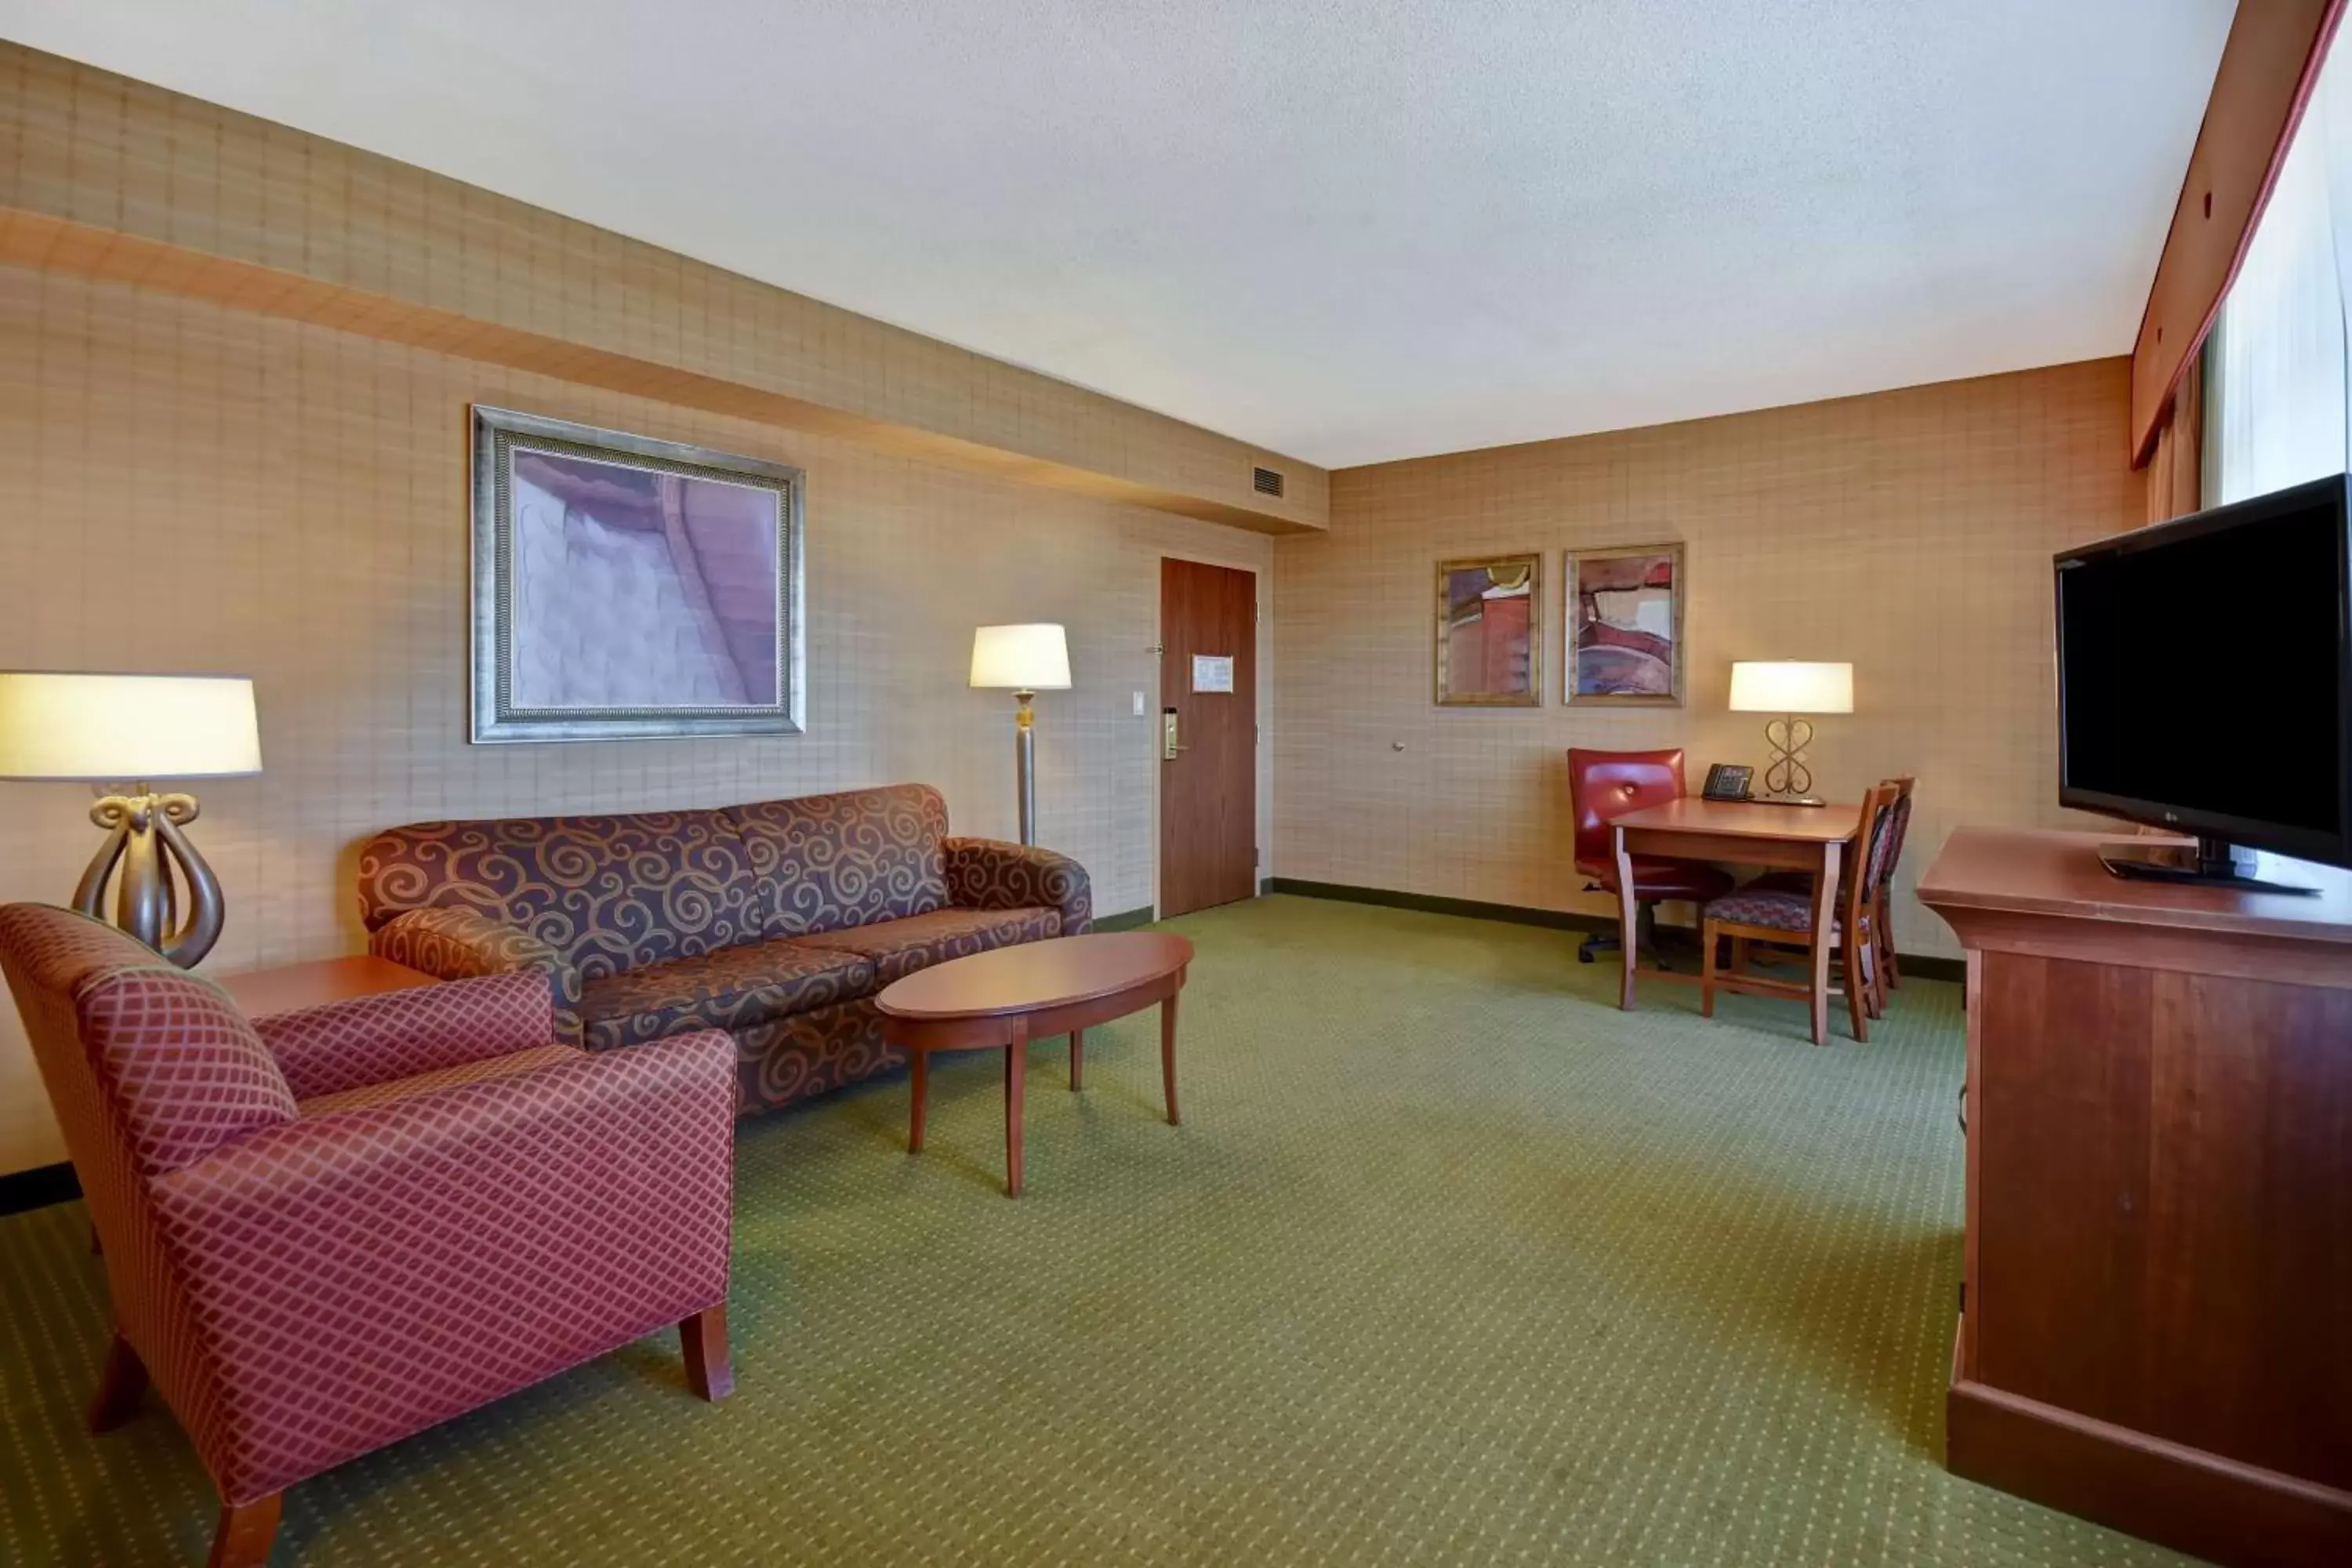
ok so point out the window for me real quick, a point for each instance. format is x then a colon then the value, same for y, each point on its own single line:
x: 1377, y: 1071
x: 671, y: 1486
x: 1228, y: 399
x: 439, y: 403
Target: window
x: 2278, y: 364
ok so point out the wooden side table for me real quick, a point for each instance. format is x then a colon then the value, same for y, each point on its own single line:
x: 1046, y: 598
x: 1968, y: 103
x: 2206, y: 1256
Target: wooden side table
x: 264, y: 992
x: 1005, y: 999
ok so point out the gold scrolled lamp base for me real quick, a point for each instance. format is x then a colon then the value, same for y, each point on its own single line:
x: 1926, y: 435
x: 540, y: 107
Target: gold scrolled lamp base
x: 155, y: 858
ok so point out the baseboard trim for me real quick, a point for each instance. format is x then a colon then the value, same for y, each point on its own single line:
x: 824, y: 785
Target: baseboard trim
x: 39, y: 1187
x: 1926, y: 966
x: 1126, y: 921
x: 2185, y: 1498
x: 1429, y: 904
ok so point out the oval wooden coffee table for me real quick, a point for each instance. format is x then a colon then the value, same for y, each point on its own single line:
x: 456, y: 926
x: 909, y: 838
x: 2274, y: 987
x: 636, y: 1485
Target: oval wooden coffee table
x: 1005, y: 999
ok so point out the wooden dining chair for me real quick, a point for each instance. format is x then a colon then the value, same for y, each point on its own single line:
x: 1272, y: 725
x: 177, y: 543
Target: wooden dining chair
x: 1882, y: 928
x: 1884, y: 973
x: 1784, y: 917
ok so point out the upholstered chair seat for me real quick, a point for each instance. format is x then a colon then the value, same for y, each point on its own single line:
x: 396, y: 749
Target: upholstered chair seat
x: 1661, y: 879
x: 1773, y: 908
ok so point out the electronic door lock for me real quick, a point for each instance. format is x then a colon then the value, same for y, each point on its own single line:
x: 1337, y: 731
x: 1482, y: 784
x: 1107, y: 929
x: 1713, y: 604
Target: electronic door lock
x: 1168, y: 746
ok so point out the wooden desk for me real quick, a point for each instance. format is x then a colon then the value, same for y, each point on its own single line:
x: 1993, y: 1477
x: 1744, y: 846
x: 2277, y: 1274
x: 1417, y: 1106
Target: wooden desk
x: 1783, y: 838
x: 264, y: 992
x: 2157, y: 1264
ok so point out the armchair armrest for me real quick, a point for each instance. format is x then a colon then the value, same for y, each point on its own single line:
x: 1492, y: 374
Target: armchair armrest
x: 988, y: 874
x: 400, y: 1262
x: 456, y: 944
x: 399, y: 1033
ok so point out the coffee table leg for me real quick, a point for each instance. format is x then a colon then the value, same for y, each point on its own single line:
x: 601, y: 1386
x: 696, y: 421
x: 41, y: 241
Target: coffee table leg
x: 922, y: 1096
x: 1016, y: 1078
x: 1077, y: 1060
x: 1168, y: 1053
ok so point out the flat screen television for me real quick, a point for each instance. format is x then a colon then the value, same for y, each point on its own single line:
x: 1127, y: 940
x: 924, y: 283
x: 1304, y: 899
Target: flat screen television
x: 2205, y: 683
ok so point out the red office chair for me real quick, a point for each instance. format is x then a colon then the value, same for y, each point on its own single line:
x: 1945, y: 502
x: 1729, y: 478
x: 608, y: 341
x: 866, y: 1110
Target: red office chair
x: 1605, y: 784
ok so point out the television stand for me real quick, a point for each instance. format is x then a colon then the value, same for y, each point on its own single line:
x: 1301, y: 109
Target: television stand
x: 2207, y: 863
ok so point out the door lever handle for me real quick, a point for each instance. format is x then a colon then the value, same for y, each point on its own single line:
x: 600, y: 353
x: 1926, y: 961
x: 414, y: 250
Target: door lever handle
x: 1168, y: 746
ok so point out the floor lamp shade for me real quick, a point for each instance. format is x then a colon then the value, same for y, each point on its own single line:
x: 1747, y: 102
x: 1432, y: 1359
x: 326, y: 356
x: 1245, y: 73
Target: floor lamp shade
x: 130, y: 730
x: 1021, y: 659
x: 1790, y: 686
x: 1025, y: 660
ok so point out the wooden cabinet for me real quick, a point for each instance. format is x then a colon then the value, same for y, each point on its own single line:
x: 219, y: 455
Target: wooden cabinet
x: 2156, y: 1329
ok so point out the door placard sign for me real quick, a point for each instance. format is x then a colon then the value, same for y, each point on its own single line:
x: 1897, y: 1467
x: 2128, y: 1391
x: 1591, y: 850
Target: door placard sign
x: 1212, y: 672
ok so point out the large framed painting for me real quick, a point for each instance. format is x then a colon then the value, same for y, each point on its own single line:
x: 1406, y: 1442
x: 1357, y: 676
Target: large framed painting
x: 1625, y: 627
x: 1490, y: 632
x: 626, y: 588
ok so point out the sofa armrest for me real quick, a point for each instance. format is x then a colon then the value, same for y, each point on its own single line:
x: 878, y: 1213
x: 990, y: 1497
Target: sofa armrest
x: 456, y: 944
x: 399, y: 1033
x: 472, y: 1240
x: 989, y: 874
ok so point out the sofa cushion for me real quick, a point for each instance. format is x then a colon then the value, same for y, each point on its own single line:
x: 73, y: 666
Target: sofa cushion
x: 901, y: 947
x: 828, y: 861
x: 724, y: 990
x: 609, y: 894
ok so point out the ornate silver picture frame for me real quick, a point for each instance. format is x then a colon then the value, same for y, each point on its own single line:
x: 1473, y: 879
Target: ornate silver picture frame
x: 629, y: 589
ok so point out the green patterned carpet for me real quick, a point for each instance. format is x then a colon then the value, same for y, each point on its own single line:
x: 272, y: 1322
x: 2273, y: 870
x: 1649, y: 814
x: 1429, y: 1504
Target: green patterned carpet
x: 1451, y: 1263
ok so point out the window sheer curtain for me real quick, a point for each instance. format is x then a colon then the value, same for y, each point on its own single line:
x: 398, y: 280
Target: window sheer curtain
x: 2278, y: 366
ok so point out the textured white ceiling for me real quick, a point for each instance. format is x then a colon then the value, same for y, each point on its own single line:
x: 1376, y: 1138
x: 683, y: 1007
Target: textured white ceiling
x: 1348, y: 229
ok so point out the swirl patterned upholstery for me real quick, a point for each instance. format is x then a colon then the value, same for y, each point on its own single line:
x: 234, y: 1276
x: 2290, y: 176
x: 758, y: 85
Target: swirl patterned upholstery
x: 776, y: 920
x: 453, y: 1196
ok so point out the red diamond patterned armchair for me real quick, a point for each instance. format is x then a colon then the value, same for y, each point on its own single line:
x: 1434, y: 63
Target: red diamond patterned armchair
x: 341, y: 1226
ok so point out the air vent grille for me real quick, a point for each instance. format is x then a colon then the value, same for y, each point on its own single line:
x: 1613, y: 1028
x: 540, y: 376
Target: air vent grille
x: 1267, y: 482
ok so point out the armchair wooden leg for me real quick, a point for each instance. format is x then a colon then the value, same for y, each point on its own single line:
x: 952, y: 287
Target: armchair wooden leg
x: 119, y: 1383
x: 246, y: 1530
x: 708, y: 1370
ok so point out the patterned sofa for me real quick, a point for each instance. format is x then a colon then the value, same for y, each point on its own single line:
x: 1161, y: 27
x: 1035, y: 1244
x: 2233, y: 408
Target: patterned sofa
x: 777, y: 921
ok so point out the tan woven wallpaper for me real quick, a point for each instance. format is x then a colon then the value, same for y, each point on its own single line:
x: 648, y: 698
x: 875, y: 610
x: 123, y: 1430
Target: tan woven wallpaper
x: 1908, y: 532
x: 199, y: 489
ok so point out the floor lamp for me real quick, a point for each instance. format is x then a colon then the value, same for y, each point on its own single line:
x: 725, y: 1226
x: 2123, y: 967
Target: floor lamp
x: 107, y: 728
x: 1789, y: 687
x: 1025, y: 660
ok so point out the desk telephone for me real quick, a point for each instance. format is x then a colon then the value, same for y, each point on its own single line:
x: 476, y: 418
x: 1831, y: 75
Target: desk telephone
x: 1728, y: 781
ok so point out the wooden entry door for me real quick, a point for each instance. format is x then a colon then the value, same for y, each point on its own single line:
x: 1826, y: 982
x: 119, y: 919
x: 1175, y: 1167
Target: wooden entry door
x: 1208, y: 786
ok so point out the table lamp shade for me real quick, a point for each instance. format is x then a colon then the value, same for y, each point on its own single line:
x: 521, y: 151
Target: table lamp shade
x: 120, y: 728
x: 1034, y: 657
x: 1783, y: 686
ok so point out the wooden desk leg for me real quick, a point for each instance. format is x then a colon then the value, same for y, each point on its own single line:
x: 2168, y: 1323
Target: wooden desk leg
x: 1077, y: 1060
x: 1016, y: 1083
x: 1629, y: 918
x: 1168, y: 1054
x: 922, y: 1096
x: 1825, y: 885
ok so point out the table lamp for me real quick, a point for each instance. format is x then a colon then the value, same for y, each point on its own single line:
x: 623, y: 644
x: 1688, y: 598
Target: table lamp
x: 1027, y: 660
x: 1789, y: 687
x: 107, y: 729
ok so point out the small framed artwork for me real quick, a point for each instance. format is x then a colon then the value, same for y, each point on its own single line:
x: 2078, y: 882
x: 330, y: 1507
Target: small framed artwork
x: 1625, y: 627
x: 626, y: 588
x: 1490, y: 632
